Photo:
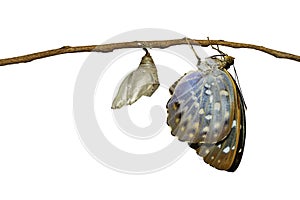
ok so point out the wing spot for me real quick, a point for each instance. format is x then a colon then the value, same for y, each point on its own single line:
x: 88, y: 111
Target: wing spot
x: 207, y: 85
x: 196, y: 125
x: 217, y: 125
x: 217, y: 106
x: 219, y: 161
x: 212, y: 157
x: 201, y: 111
x: 194, y: 98
x: 175, y: 105
x: 226, y: 150
x: 182, y: 128
x: 208, y: 92
x: 205, y: 129
x: 226, y: 115
x: 233, y: 123
x: 224, y: 93
x: 208, y: 117
x: 191, y: 135
x: 177, y: 118
x: 211, y: 98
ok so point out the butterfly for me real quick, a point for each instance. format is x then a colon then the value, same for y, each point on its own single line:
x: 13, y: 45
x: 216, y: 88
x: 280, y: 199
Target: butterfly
x: 207, y: 110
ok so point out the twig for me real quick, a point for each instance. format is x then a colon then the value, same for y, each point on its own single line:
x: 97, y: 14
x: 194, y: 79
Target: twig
x: 141, y: 44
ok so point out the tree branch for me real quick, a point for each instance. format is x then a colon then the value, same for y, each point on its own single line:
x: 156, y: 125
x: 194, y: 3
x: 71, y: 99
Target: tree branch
x: 104, y: 48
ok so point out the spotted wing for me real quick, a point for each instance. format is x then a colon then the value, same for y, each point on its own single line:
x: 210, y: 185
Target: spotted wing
x: 227, y: 154
x: 201, y: 107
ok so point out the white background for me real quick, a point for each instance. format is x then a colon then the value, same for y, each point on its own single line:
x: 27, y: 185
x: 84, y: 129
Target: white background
x: 41, y: 156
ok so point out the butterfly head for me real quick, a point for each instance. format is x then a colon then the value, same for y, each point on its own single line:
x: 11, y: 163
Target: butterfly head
x: 227, y: 62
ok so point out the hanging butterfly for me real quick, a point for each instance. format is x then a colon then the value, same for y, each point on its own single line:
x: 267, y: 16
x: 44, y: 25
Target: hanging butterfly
x: 207, y: 110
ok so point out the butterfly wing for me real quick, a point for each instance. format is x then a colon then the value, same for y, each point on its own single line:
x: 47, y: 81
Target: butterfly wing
x: 200, y: 109
x: 227, y: 154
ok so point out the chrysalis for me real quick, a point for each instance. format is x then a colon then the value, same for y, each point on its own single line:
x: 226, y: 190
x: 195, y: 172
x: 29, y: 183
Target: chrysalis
x: 141, y: 82
x: 207, y: 111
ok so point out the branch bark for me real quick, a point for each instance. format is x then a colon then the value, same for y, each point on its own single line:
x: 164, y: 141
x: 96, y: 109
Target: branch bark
x: 104, y: 48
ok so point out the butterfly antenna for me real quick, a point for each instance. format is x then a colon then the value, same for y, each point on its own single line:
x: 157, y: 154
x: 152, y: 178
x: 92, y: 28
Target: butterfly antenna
x: 239, y: 86
x: 198, y: 58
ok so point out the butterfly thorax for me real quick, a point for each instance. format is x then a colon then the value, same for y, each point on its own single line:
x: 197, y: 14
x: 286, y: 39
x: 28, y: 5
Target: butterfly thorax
x: 212, y: 63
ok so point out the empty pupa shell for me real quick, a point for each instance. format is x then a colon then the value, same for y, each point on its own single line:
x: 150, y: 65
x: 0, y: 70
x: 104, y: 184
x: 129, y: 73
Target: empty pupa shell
x: 141, y: 82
